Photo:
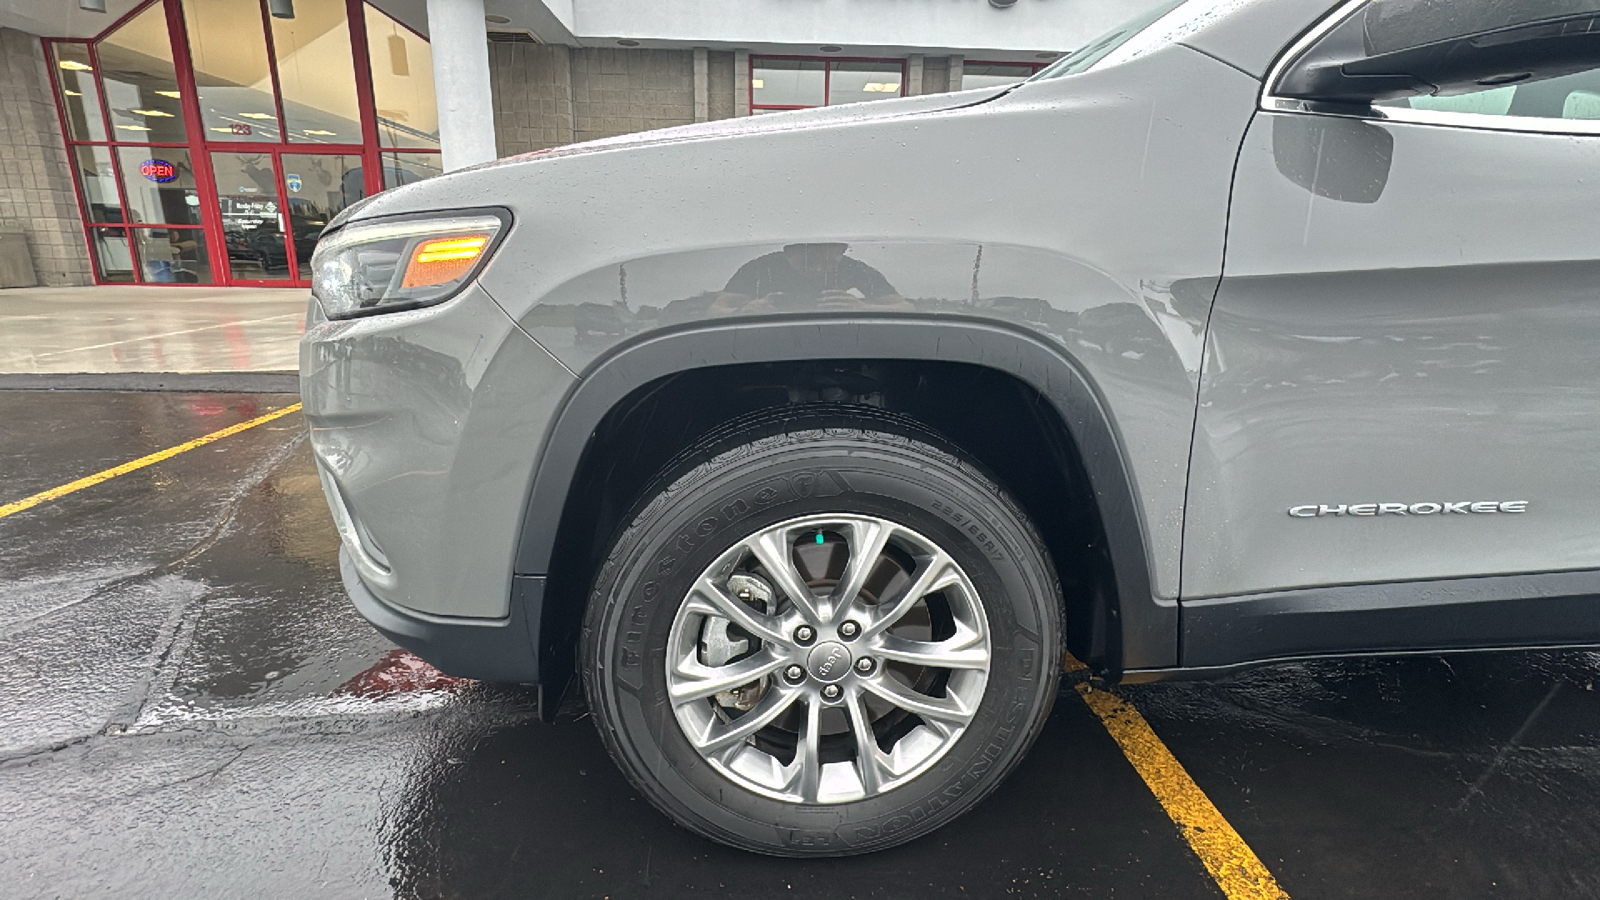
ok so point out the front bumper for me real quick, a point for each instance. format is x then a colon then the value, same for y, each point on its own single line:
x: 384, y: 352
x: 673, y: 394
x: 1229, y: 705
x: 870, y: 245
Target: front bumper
x: 505, y: 649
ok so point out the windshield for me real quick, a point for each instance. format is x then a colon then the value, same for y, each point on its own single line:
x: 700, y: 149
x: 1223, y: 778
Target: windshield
x: 1193, y: 14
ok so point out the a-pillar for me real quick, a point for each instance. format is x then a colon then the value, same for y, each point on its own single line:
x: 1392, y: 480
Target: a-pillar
x: 460, y: 45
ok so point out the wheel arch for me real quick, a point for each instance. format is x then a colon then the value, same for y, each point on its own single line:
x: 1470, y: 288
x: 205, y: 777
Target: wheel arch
x: 1125, y: 627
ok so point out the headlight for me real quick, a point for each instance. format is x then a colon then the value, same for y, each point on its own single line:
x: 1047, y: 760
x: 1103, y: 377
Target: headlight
x: 390, y: 265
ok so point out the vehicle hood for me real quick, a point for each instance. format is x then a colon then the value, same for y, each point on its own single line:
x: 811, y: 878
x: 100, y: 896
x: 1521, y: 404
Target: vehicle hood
x: 791, y: 120
x: 442, y: 192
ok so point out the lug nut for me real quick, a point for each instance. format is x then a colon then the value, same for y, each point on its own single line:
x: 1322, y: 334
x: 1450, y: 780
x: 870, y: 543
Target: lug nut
x: 849, y: 630
x: 830, y: 692
x: 805, y: 634
x: 865, y: 665
x: 794, y: 674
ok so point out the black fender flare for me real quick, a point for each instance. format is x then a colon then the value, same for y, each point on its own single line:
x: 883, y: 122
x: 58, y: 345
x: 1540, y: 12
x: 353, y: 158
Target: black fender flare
x: 1147, y: 626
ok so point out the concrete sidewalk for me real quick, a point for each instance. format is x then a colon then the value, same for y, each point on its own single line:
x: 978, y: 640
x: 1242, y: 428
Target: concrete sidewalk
x: 114, y: 329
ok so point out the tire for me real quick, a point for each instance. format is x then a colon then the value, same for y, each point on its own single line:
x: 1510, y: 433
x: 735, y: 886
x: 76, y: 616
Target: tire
x: 946, y: 732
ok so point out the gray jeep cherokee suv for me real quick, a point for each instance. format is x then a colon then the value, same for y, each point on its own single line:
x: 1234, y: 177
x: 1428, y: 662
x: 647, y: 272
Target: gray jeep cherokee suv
x: 1258, y: 329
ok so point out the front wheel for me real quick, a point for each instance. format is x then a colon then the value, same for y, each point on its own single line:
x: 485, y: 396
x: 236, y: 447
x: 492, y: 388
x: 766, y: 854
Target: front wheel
x: 823, y: 640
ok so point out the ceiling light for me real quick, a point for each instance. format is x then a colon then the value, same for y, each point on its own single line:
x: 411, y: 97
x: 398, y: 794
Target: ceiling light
x: 73, y: 65
x: 223, y: 130
x: 320, y: 132
x: 258, y: 116
x: 830, y: 49
x: 173, y: 94
x: 281, y: 9
x: 98, y: 6
x: 881, y: 87
x: 133, y: 127
x: 152, y: 112
x: 758, y: 83
x: 497, y: 20
x: 627, y: 42
x: 71, y: 93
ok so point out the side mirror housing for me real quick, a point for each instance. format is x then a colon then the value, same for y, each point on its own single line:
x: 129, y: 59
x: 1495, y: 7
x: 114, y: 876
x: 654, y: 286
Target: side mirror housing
x: 1405, y: 48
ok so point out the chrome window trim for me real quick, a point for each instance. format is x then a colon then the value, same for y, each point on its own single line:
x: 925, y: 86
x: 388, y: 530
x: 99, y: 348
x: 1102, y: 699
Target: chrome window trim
x: 1440, y: 118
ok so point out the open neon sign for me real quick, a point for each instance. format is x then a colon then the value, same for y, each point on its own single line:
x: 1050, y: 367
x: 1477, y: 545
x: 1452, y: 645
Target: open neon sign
x: 158, y: 170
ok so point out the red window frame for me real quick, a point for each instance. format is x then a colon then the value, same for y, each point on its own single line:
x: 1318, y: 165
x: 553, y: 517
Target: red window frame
x: 827, y: 77
x: 200, y: 149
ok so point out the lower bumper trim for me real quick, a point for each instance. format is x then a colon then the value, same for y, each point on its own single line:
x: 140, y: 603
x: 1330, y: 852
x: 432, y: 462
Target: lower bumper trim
x: 484, y: 649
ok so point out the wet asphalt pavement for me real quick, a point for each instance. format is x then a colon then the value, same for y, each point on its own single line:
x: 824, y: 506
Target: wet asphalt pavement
x: 189, y: 707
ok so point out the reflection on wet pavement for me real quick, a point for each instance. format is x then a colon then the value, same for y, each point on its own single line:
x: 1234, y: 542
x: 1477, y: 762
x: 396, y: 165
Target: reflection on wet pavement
x: 191, y: 708
x: 143, y: 328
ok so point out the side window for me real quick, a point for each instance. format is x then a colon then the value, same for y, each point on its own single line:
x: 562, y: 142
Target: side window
x: 1574, y: 96
x: 1531, y: 59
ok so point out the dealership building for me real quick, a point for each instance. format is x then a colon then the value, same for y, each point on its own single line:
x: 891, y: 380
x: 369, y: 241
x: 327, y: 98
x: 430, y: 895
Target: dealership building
x: 208, y: 141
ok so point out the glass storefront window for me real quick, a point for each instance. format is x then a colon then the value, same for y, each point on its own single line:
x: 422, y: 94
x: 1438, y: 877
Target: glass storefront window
x: 252, y: 224
x: 141, y: 87
x: 113, y: 258
x: 404, y: 168
x: 159, y: 185
x: 777, y: 83
x: 172, y: 255
x: 402, y: 83
x: 228, y: 45
x: 982, y: 75
x: 98, y: 180
x: 316, y: 74
x: 80, y: 95
x: 853, y: 82
x: 287, y: 86
x: 788, y: 82
x: 316, y: 187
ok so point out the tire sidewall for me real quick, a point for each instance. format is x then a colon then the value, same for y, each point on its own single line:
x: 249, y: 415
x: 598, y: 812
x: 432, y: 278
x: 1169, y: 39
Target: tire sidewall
x: 684, y: 529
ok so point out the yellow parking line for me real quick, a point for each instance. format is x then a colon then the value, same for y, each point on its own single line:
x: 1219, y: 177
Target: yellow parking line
x: 1231, y: 862
x: 141, y: 462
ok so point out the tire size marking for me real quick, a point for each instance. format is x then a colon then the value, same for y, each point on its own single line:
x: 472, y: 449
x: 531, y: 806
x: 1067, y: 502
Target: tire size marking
x: 971, y: 526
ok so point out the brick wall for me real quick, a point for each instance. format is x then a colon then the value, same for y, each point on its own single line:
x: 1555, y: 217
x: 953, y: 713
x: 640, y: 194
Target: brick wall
x: 936, y: 74
x: 721, y: 84
x: 622, y: 91
x: 36, y: 192
x: 532, y: 85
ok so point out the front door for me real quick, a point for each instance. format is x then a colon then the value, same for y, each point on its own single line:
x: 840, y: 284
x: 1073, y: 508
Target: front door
x: 274, y: 205
x: 1401, y: 379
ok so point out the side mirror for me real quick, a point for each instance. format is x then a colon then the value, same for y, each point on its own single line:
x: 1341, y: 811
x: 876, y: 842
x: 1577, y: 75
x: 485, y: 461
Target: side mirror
x: 1404, y: 48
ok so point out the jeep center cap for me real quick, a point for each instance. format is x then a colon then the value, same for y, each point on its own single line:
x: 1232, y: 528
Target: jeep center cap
x: 828, y: 662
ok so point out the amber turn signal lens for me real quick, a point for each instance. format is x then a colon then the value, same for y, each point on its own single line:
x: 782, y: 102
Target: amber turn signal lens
x: 443, y: 260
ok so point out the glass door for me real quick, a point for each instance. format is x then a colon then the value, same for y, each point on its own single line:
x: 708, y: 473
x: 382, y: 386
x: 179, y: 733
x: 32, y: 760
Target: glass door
x: 316, y: 187
x: 251, y: 210
x: 274, y: 205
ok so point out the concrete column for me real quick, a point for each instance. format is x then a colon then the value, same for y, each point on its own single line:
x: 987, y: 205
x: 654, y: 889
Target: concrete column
x: 741, y: 83
x: 955, y: 72
x: 702, y: 85
x: 914, y: 75
x: 460, y: 43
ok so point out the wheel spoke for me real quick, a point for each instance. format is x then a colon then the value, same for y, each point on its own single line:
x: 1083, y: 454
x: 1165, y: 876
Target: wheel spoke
x: 695, y: 681
x: 723, y: 736
x: 964, y: 651
x: 867, y: 540
x: 712, y: 600
x: 808, y: 754
x: 775, y: 553
x: 937, y: 572
x: 871, y: 765
x: 947, y: 709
